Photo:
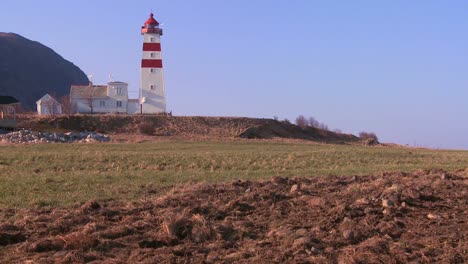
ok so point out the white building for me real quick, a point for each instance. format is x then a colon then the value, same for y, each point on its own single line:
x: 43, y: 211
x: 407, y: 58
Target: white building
x: 113, y: 97
x: 110, y: 98
x: 47, y: 105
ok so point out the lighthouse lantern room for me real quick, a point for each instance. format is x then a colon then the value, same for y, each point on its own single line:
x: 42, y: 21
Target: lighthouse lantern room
x: 152, y: 92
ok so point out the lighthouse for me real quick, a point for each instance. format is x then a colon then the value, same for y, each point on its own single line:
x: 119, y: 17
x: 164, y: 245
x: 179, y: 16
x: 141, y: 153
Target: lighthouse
x: 152, y: 92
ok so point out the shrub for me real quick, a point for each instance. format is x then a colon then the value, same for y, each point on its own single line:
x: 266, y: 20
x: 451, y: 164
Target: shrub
x: 146, y: 129
x: 312, y: 122
x: 368, y: 135
x: 323, y: 126
x: 302, y: 121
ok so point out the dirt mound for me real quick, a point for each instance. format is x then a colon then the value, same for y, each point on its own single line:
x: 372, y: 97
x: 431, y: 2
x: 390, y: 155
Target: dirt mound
x: 287, y: 130
x: 186, y: 126
x: 388, y: 218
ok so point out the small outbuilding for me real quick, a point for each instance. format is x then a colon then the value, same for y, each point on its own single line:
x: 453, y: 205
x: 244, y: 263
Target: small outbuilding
x: 48, y: 105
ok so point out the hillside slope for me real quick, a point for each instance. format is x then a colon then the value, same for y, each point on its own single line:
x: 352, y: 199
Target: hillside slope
x: 187, y: 126
x: 28, y: 70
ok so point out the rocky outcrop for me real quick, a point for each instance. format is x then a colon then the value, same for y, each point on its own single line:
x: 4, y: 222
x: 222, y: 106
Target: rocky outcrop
x: 28, y: 136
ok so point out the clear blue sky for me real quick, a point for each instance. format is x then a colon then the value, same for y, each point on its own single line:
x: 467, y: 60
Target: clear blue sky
x: 398, y: 68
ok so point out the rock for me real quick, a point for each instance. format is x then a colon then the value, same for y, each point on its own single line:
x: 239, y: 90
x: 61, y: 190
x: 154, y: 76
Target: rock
x: 387, y: 211
x: 303, y: 241
x: 302, y: 232
x: 294, y: 188
x: 387, y: 202
x: 395, y: 188
x: 315, y: 250
x: 445, y: 176
x: 432, y: 216
x: 28, y: 136
x: 362, y: 201
x: 348, y: 234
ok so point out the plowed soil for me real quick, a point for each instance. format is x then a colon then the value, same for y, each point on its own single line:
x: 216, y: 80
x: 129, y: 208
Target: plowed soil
x: 388, y: 218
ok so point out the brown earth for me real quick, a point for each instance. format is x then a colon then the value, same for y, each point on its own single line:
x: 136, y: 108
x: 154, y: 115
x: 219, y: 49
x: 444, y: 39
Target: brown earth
x: 184, y: 126
x: 388, y: 218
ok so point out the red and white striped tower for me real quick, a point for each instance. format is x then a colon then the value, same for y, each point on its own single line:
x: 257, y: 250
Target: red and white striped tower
x: 152, y: 93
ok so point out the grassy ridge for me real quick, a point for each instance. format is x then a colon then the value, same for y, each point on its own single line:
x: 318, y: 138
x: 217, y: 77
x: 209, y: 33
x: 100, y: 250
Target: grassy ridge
x: 63, y: 174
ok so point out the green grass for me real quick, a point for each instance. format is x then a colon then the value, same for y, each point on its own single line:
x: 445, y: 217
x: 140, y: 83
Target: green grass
x: 64, y: 174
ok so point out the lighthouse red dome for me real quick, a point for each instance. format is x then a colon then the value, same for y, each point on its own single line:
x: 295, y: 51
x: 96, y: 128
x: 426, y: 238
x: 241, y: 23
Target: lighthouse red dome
x: 151, y: 20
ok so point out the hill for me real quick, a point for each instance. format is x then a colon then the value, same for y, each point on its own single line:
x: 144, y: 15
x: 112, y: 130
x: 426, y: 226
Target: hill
x: 185, y: 126
x: 28, y: 70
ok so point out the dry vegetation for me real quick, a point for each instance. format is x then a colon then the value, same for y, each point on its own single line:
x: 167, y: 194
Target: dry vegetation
x: 387, y: 218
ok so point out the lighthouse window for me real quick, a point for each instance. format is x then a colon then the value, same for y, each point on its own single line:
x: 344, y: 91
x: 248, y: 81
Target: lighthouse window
x: 151, y: 39
x: 152, y: 70
x: 153, y: 55
x: 152, y: 86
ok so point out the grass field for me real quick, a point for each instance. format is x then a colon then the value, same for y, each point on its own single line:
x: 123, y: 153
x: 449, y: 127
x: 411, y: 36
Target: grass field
x: 64, y: 174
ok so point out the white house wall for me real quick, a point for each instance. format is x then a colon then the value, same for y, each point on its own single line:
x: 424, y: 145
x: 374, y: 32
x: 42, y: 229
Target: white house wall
x: 109, y: 105
x: 116, y: 91
x: 44, y: 106
x: 133, y: 107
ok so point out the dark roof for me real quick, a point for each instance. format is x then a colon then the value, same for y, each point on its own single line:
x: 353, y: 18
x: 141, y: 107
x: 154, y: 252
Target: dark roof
x: 6, y: 100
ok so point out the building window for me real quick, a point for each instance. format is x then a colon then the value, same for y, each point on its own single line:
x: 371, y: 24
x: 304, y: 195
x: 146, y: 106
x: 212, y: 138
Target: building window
x: 118, y: 91
x: 102, y: 103
x: 119, y: 103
